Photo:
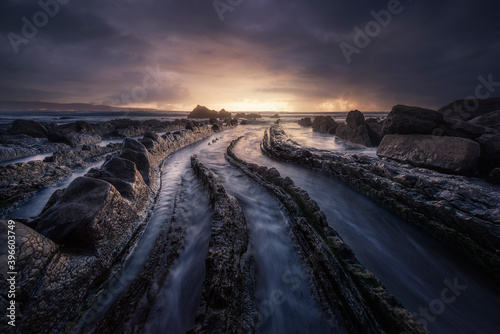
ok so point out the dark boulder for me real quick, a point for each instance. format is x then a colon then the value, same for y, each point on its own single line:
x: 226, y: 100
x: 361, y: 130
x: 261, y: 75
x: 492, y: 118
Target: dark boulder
x: 275, y: 116
x: 375, y: 130
x: 414, y: 120
x: 215, y: 127
x: 468, y: 109
x: 203, y: 112
x: 451, y: 155
x: 490, y: 120
x: 136, y: 152
x: 125, y: 177
x: 89, y: 215
x: 30, y: 128
x: 355, y: 129
x: 306, y: 121
x: 325, y: 124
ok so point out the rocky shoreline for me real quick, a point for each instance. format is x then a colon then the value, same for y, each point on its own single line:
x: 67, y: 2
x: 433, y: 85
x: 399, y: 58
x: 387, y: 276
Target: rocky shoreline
x: 457, y: 211
x: 346, y: 291
x: 66, y: 255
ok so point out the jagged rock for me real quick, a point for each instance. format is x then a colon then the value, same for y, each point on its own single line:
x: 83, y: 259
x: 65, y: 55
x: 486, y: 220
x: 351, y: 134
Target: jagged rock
x: 90, y: 215
x: 355, y: 130
x: 30, y: 128
x: 490, y: 120
x: 306, y: 121
x: 215, y: 127
x: 494, y: 176
x: 415, y: 120
x: 469, y: 109
x: 134, y: 151
x: 203, y: 112
x: 450, y: 155
x: 223, y: 114
x: 325, y: 124
x: 228, y: 300
x: 125, y: 177
x: 74, y: 139
x: 20, y: 181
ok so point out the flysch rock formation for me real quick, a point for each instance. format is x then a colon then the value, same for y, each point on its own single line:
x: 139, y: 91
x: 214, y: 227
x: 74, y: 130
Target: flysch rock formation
x: 346, y: 291
x: 228, y: 294
x: 460, y: 213
x: 67, y: 254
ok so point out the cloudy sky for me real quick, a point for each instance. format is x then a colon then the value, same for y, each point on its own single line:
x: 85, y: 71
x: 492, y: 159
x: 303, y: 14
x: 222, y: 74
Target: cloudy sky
x: 243, y: 55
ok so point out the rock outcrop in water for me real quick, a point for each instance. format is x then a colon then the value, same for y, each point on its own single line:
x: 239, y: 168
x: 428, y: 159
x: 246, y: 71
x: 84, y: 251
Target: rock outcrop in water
x: 325, y: 124
x: 29, y: 128
x: 347, y: 292
x: 458, y: 212
x: 306, y: 121
x: 228, y: 301
x: 355, y: 129
x: 93, y: 226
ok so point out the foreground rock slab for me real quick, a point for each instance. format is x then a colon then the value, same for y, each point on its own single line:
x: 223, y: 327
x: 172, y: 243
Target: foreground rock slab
x: 450, y: 155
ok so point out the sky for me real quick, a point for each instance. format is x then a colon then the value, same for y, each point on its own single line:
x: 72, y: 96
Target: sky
x: 248, y: 55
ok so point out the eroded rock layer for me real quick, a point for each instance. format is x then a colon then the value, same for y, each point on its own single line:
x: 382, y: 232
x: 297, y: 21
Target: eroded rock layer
x: 457, y: 211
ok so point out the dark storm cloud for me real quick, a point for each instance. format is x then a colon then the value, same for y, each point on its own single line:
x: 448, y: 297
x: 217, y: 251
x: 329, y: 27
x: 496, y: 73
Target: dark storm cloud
x: 430, y: 53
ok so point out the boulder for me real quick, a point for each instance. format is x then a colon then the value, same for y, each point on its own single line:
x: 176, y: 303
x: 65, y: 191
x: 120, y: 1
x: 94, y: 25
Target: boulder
x: 325, y: 124
x: 375, y: 130
x: 354, y: 130
x: 275, y: 116
x: 490, y: 120
x: 306, y: 121
x: 74, y: 139
x: 125, y: 177
x: 136, y: 152
x: 215, y: 127
x: 223, y: 114
x: 90, y: 215
x: 414, y: 120
x: 468, y: 109
x: 30, y: 128
x: 451, y: 155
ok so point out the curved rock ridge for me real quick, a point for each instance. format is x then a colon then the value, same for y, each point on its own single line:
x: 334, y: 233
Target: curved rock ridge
x: 462, y: 214
x: 86, y: 230
x: 345, y: 290
x: 228, y: 294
